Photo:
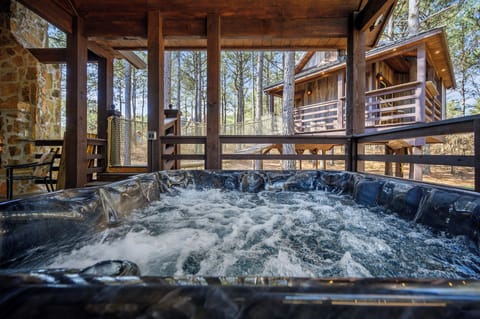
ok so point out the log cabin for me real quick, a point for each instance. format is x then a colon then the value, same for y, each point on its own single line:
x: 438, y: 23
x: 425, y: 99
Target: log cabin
x: 406, y: 83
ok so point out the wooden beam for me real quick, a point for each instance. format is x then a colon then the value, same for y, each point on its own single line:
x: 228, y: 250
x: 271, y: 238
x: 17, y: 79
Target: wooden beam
x: 101, y: 50
x: 213, y: 147
x: 371, y: 12
x: 50, y: 55
x: 156, y: 117
x: 133, y: 59
x: 76, y: 107
x: 57, y: 55
x: 51, y: 12
x: 284, y: 28
x: 104, y: 94
x: 118, y: 26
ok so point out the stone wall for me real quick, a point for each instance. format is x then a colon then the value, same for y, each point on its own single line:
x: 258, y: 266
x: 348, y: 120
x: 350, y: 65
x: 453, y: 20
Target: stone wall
x: 30, y: 92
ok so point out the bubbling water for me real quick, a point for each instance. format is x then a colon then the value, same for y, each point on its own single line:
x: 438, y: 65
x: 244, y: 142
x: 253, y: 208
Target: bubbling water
x: 307, y: 234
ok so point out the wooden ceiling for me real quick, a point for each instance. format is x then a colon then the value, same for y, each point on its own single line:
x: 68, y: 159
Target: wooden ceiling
x: 245, y: 24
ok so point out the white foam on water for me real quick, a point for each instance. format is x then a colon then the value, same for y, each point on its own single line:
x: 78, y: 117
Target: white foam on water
x: 351, y: 268
x: 305, y: 234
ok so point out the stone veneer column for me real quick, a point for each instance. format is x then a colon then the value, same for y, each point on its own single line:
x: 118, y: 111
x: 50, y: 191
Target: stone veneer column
x: 29, y: 91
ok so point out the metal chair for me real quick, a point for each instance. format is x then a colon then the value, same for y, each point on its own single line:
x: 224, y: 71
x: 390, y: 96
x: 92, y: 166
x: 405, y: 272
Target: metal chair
x: 41, y: 172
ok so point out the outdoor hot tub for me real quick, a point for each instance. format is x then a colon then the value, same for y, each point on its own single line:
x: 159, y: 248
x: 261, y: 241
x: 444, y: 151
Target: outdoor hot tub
x: 243, y: 244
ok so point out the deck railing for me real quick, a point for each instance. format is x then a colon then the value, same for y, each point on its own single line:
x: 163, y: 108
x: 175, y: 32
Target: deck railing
x: 95, y: 155
x: 391, y: 106
x: 318, y: 117
x: 351, y: 143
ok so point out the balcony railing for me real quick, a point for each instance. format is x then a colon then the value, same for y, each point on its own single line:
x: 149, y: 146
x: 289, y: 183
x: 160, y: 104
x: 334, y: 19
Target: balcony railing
x: 391, y: 106
x: 319, y: 117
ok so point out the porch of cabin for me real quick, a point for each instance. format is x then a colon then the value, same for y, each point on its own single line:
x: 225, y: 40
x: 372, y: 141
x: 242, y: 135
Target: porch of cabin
x: 216, y: 32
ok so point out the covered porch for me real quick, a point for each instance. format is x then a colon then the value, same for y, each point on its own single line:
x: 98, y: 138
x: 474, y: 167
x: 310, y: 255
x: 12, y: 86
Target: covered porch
x: 212, y: 26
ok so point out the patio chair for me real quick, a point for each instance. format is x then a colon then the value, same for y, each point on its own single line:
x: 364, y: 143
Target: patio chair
x: 40, y: 172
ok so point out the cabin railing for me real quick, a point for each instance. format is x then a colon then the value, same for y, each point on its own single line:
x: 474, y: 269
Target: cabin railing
x: 318, y: 117
x: 391, y: 106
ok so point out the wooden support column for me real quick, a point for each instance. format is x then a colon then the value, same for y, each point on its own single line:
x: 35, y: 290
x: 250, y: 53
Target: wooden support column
x: 476, y: 137
x: 213, y: 147
x: 444, y: 101
x: 105, y: 94
x: 355, y: 95
x: 156, y: 114
x: 416, y: 170
x: 422, y: 78
x: 388, y: 165
x: 76, y: 107
x: 271, y: 104
x: 340, y: 95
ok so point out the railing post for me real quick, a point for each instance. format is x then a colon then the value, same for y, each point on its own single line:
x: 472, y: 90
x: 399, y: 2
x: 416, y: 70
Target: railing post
x: 476, y: 136
x: 351, y: 154
x: 420, y: 103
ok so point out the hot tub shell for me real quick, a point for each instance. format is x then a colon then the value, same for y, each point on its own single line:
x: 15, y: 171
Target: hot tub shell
x: 39, y: 220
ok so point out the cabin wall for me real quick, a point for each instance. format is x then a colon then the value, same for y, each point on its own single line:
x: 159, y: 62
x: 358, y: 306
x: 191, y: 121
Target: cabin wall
x: 322, y: 58
x: 322, y: 90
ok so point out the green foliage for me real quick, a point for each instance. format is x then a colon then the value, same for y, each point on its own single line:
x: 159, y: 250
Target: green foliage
x: 460, y: 18
x: 56, y: 38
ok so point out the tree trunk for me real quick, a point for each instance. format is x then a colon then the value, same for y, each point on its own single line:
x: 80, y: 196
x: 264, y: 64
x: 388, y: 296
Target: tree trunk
x: 224, y: 101
x: 240, y: 85
x: 287, y: 107
x: 179, y: 74
x: 259, y: 111
x: 413, y: 21
x: 128, y: 115
x: 167, y: 78
x: 134, y: 105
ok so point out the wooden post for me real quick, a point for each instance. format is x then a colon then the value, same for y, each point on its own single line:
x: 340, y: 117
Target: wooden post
x: 444, y: 101
x: 271, y: 103
x: 388, y: 165
x: 421, y: 77
x: 476, y: 136
x: 340, y: 94
x: 355, y: 95
x: 76, y: 107
x: 213, y: 147
x: 156, y: 116
x: 105, y: 94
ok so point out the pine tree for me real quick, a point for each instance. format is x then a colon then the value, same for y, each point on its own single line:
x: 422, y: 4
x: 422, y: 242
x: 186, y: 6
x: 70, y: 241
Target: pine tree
x: 287, y: 108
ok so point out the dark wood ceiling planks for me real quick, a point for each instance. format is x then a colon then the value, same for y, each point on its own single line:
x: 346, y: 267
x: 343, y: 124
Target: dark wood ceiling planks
x: 245, y: 24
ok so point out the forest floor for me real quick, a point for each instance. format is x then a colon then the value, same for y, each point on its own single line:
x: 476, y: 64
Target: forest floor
x: 461, y: 177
